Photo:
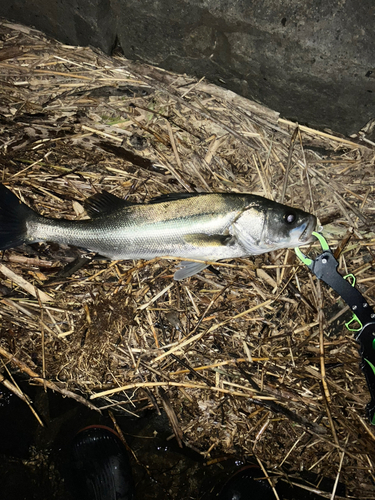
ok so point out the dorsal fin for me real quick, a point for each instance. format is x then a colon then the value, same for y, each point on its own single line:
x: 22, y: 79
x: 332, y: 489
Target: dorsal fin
x: 173, y: 196
x: 104, y: 202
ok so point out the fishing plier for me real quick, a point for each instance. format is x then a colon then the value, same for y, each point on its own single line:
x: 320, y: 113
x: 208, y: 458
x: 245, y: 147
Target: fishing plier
x: 324, y: 266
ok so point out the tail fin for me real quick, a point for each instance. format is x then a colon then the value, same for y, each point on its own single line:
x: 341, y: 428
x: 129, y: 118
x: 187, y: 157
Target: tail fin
x: 13, y: 218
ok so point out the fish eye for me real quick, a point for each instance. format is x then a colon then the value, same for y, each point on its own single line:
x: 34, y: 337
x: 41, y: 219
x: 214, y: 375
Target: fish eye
x: 290, y: 217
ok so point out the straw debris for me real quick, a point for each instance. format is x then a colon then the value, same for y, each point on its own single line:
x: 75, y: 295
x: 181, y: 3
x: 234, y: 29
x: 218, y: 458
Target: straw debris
x: 255, y: 360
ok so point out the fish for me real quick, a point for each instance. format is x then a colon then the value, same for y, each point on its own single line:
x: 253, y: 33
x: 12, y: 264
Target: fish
x: 198, y: 226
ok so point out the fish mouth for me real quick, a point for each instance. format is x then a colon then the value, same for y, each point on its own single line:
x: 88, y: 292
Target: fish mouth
x: 306, y: 236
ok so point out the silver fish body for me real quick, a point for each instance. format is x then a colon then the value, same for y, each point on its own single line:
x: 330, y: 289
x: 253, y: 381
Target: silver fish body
x: 206, y: 227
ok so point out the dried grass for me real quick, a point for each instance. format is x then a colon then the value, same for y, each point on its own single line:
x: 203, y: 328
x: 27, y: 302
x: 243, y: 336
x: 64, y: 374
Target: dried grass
x: 240, y: 355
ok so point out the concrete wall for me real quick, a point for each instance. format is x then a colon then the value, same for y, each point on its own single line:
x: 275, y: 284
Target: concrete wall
x: 312, y: 60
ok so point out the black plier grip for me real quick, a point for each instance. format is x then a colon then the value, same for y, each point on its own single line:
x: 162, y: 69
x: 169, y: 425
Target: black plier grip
x: 325, y: 268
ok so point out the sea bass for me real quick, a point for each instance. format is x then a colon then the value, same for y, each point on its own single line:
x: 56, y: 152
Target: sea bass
x: 207, y: 227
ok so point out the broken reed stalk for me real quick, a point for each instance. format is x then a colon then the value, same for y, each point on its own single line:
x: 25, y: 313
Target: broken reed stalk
x: 142, y: 385
x: 47, y: 383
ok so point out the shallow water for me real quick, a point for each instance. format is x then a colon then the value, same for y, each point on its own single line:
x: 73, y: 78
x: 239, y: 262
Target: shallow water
x: 34, y: 460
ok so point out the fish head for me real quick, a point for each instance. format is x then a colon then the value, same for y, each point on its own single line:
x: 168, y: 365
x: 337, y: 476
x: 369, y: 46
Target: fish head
x: 266, y: 225
x: 287, y: 227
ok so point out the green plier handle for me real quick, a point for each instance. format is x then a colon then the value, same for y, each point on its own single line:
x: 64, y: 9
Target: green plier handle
x: 325, y: 268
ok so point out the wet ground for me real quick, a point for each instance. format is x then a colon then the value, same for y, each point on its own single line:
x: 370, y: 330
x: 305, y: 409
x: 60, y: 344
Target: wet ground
x: 34, y: 460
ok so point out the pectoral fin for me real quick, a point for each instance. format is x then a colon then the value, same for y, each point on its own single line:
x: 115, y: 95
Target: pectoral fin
x: 201, y: 240
x: 208, y: 240
x: 187, y: 269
